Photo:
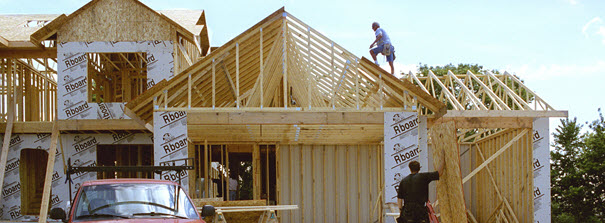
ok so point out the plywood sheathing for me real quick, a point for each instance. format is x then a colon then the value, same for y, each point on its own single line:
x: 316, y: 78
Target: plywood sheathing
x: 449, y: 187
x: 115, y: 20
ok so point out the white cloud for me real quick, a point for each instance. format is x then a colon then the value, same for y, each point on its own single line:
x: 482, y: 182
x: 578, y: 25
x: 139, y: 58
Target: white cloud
x: 595, y: 20
x: 552, y: 71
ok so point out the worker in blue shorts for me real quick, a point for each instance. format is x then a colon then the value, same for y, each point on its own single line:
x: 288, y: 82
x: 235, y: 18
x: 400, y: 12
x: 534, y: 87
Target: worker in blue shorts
x: 383, y: 45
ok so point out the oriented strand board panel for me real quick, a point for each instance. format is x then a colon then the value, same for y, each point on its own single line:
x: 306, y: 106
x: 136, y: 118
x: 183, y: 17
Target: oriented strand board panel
x: 449, y: 187
x: 115, y: 20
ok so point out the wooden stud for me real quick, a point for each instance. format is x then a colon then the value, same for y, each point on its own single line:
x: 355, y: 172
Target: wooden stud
x: 302, y: 182
x: 313, y: 183
x: 228, y: 173
x: 291, y: 176
x: 256, y: 170
x: 206, y: 170
x: 278, y: 170
x: 348, y: 190
x: 325, y: 189
x: 358, y: 164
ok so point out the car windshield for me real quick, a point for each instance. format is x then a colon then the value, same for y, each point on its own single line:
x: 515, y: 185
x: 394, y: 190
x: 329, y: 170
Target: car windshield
x: 133, y: 200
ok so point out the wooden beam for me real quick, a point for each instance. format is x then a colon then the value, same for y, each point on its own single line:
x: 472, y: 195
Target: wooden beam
x: 284, y: 118
x: 505, y: 113
x: 28, y: 53
x: 486, y: 122
x: 52, y: 151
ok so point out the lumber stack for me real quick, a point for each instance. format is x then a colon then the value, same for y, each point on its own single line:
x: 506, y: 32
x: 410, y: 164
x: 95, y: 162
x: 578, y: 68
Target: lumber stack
x: 251, y: 216
x: 449, y: 187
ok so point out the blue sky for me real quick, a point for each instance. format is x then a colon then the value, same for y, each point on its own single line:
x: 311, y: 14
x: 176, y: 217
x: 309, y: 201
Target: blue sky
x: 557, y: 46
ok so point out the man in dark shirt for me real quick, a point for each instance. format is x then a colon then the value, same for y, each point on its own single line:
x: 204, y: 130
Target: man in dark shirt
x: 414, y: 193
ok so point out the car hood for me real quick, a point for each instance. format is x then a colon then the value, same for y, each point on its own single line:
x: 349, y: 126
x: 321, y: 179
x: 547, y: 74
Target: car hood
x: 148, y: 220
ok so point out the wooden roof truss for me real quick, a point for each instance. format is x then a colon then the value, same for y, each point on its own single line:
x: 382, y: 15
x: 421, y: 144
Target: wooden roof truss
x: 282, y: 63
x: 500, y: 100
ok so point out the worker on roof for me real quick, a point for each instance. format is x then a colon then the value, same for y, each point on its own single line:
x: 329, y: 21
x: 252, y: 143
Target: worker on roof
x: 413, y: 193
x: 383, y: 45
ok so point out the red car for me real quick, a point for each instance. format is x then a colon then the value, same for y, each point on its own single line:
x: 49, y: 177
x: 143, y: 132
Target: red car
x: 132, y: 200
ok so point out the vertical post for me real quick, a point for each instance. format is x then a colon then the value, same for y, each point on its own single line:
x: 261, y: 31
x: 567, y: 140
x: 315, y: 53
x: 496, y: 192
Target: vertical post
x: 325, y: 190
x: 285, y: 61
x: 256, y: 167
x: 267, y: 173
x: 199, y: 174
x: 228, y: 173
x: 381, y: 179
x: 302, y: 183
x: 277, y: 176
x: 224, y: 192
x: 262, y: 65
x: 192, y: 173
x: 206, y: 181
x: 237, y: 74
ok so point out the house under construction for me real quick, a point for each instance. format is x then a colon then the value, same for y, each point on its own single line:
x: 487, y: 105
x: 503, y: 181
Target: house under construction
x: 280, y: 113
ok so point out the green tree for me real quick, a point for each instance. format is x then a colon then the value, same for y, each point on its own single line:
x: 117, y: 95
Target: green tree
x: 592, y: 166
x: 566, y: 181
x: 578, y: 172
